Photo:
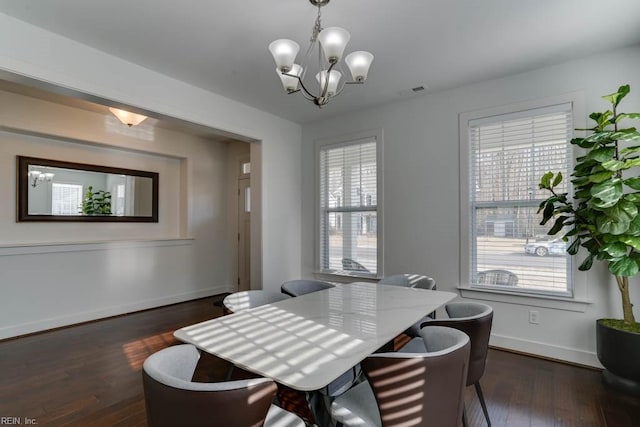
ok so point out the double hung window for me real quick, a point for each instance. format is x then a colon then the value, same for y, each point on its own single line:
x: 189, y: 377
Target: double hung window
x: 66, y: 199
x: 507, y: 155
x: 348, y: 207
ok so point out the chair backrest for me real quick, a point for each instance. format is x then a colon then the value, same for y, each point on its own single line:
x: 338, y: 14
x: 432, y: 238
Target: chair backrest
x: 296, y: 288
x: 409, y: 281
x: 245, y: 300
x: 475, y: 320
x: 498, y: 277
x: 422, y: 389
x: 349, y: 264
x: 172, y: 399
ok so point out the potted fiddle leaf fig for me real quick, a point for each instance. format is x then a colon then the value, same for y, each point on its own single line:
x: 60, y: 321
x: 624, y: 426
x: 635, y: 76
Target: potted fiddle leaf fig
x: 602, y: 216
x: 96, y: 202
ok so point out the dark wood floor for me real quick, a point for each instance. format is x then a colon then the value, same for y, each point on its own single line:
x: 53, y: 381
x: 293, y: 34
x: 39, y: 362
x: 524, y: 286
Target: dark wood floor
x: 89, y: 375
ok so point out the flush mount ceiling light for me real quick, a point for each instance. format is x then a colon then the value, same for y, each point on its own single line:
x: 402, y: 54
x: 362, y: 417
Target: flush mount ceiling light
x: 330, y: 44
x: 129, y: 119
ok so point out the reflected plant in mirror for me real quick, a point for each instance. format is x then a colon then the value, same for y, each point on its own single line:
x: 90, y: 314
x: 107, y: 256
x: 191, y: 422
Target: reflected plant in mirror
x: 53, y: 190
x: 96, y: 202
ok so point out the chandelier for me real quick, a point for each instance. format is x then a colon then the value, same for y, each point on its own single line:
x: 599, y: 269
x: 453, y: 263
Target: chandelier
x: 329, y: 43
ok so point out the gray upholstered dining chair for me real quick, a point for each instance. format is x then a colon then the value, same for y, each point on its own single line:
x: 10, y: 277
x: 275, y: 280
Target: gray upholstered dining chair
x: 474, y: 319
x: 172, y: 399
x: 498, y: 277
x: 349, y: 264
x: 413, y: 389
x: 244, y: 300
x: 299, y: 287
x: 409, y: 280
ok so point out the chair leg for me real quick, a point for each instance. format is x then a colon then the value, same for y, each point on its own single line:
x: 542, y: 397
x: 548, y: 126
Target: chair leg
x: 229, y: 373
x: 484, y: 405
x: 464, y: 415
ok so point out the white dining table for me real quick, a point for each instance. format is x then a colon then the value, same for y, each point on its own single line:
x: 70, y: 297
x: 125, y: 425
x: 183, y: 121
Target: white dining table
x: 308, y: 341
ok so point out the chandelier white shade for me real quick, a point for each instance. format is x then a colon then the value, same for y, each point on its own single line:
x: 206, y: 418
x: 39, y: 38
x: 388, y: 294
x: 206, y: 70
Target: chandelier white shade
x: 330, y: 44
x: 333, y: 41
x: 129, y: 119
x: 334, y: 79
x: 284, y: 53
x: 290, y: 80
x: 359, y: 63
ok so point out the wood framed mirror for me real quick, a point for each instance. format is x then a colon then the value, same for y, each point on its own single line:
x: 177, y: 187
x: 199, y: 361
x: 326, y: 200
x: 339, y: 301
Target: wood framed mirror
x: 55, y: 190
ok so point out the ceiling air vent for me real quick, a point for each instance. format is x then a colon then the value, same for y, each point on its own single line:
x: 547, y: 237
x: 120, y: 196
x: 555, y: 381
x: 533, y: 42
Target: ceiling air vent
x: 420, y: 89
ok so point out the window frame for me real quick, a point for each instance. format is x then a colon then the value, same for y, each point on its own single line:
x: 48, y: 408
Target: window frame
x: 577, y: 299
x: 376, y: 136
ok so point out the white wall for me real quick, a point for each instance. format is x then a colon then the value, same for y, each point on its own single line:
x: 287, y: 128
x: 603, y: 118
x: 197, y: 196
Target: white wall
x: 32, y: 53
x: 421, y: 191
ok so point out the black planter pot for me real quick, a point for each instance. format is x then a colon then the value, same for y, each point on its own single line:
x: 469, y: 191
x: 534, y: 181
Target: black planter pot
x: 619, y: 353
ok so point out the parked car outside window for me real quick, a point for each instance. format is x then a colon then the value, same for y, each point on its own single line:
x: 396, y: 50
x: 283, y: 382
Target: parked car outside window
x: 544, y: 248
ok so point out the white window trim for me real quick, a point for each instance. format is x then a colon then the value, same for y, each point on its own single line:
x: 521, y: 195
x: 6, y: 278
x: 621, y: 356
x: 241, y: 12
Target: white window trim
x: 349, y: 139
x: 577, y: 302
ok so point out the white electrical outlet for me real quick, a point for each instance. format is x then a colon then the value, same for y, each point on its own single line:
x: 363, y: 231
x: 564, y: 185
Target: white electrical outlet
x: 534, y: 317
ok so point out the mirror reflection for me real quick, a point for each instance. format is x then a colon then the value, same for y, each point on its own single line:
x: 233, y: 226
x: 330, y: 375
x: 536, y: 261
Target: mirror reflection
x: 56, y: 190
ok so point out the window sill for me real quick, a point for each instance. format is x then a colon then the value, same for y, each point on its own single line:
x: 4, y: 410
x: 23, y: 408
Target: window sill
x: 544, y: 301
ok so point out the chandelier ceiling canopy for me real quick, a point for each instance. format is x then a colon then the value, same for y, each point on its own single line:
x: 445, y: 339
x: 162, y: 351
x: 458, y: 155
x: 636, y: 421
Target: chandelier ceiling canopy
x: 329, y: 44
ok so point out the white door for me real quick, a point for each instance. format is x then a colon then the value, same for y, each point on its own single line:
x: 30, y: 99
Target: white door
x: 244, y: 234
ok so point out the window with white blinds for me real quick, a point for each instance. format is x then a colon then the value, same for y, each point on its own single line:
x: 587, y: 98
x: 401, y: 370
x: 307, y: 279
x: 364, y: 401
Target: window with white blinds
x: 508, y: 155
x: 66, y: 199
x: 348, y: 191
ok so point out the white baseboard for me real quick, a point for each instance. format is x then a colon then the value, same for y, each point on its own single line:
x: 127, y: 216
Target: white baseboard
x: 567, y: 354
x: 74, y: 318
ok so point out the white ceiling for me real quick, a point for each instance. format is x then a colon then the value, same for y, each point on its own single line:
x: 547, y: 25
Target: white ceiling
x: 222, y: 46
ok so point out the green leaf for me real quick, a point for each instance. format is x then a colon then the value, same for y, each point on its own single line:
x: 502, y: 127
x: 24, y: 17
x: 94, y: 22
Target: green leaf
x: 633, y: 182
x: 629, y: 150
x: 608, y: 225
x: 557, y: 180
x: 601, y: 176
x: 591, y: 245
x: 583, y: 194
x: 624, y: 267
x: 547, y: 214
x: 616, y: 97
x: 623, y: 116
x: 623, y: 211
x: 582, y: 143
x: 557, y: 226
x: 574, y: 246
x: 587, y: 263
x: 545, y: 181
x: 615, y: 249
x: 583, y: 180
x: 602, y: 154
x: 632, y: 162
x: 632, y: 197
x: 607, y: 191
x: 613, y: 165
x: 599, y: 136
x: 634, y: 227
x: 632, y: 241
x: 585, y: 167
x: 626, y: 135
